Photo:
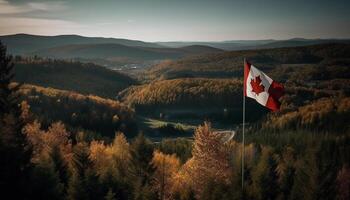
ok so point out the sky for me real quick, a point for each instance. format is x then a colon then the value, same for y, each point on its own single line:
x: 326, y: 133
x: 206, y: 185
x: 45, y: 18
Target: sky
x: 178, y: 20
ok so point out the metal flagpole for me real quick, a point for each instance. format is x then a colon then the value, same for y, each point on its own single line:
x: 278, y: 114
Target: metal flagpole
x: 243, y: 128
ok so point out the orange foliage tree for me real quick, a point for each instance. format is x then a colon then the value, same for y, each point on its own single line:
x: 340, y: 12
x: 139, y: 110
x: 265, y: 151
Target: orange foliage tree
x: 210, y: 163
x: 166, y: 166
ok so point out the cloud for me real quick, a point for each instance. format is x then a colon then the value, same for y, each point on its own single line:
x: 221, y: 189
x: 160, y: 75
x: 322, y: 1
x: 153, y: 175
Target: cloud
x: 12, y: 25
x: 47, y: 6
x: 9, y: 8
x: 32, y: 17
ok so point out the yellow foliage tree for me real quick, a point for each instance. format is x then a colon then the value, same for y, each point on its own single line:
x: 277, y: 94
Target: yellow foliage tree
x: 210, y: 162
x: 166, y: 166
x: 111, y: 159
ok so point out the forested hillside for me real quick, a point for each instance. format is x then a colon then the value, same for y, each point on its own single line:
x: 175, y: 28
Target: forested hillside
x: 85, y: 146
x: 102, y: 117
x: 84, y: 78
x: 117, y: 51
x: 229, y: 64
x: 310, y: 75
x: 190, y: 98
x: 20, y: 44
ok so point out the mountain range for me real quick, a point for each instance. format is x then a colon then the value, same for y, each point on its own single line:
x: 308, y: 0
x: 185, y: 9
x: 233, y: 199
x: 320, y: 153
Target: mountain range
x: 118, y: 52
x: 256, y: 44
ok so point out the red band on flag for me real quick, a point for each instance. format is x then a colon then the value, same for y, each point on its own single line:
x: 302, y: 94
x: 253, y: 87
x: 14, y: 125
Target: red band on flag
x: 246, y: 72
x: 276, y: 91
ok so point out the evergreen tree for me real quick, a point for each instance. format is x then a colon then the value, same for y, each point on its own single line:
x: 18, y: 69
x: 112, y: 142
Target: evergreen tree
x: 45, y: 176
x: 264, y: 178
x: 286, y: 172
x: 60, y: 165
x: 110, y: 195
x: 140, y: 168
x: 83, y: 183
x: 343, y: 183
x: 305, y: 181
x: 217, y: 191
x: 15, y: 150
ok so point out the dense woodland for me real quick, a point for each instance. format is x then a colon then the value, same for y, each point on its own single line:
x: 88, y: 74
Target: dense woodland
x: 57, y: 144
x: 85, y: 78
x: 311, y: 75
x: 229, y: 64
x: 97, y: 115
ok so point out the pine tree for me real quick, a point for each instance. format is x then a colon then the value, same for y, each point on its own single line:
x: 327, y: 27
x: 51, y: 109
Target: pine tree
x: 140, y: 168
x: 121, y: 155
x: 210, y: 162
x: 59, y: 164
x: 264, y: 177
x: 83, y: 182
x: 305, y: 180
x: 343, y: 183
x: 286, y: 172
x: 15, y: 150
x: 45, y: 176
x: 110, y: 195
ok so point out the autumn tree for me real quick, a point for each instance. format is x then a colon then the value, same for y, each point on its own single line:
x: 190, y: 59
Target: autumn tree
x: 166, y: 166
x: 110, y: 162
x: 210, y: 162
x: 15, y: 150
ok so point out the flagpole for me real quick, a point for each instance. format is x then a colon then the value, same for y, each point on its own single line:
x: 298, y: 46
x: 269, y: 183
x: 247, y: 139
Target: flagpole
x: 243, y: 127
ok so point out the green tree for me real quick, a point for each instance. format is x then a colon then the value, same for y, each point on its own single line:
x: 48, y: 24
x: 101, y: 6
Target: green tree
x: 46, y: 176
x: 83, y: 181
x: 305, y: 181
x: 60, y: 165
x: 141, y: 170
x: 15, y: 150
x: 286, y: 171
x: 110, y: 195
x: 264, y: 177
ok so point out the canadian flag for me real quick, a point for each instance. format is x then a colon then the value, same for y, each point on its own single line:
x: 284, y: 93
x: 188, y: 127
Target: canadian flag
x: 262, y: 88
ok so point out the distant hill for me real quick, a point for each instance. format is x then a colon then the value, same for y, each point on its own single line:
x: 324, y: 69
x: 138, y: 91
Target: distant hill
x: 230, y: 64
x: 295, y: 42
x: 114, y: 51
x: 75, y: 76
x: 225, y: 45
x: 24, y: 43
x: 199, y: 49
x: 20, y: 44
x: 256, y: 44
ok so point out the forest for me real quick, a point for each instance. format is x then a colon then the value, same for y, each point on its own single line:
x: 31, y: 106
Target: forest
x: 85, y: 78
x: 70, y: 143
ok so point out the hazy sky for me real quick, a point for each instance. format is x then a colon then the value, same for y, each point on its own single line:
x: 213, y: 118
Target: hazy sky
x: 179, y: 20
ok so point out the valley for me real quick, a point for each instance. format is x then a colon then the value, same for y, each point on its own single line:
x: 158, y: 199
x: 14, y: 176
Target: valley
x: 174, y: 100
x: 171, y: 95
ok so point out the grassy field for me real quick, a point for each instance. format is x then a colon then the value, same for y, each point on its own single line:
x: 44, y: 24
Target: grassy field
x: 156, y: 129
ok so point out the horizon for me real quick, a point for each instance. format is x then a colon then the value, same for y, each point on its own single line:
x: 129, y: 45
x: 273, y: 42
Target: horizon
x: 175, y: 41
x: 180, y: 21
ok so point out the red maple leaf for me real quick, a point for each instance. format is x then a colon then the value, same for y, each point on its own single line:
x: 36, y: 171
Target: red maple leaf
x: 257, y: 86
